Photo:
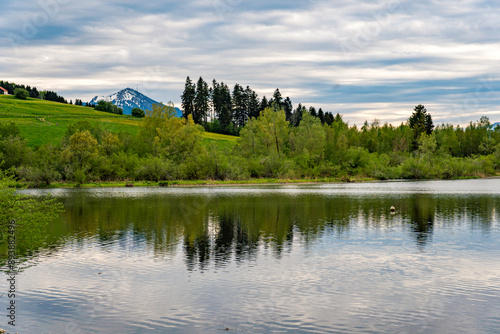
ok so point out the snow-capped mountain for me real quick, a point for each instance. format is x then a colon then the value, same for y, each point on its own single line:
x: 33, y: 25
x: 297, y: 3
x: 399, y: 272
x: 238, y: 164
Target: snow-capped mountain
x: 129, y: 98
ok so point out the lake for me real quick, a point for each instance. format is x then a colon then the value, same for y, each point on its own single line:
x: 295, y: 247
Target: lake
x: 322, y: 258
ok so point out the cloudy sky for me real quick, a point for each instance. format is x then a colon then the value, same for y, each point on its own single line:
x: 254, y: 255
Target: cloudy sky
x: 364, y: 59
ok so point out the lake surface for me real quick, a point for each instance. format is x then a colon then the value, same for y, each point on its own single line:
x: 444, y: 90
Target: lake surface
x: 327, y: 258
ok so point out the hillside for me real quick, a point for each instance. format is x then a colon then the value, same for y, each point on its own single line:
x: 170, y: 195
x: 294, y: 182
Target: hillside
x: 44, y: 122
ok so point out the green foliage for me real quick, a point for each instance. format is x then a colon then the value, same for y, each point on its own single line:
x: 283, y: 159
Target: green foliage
x: 21, y: 93
x: 9, y: 129
x: 81, y: 154
x: 168, y: 148
x: 200, y: 102
x: 109, y: 107
x: 420, y: 122
x: 268, y: 134
x: 188, y: 97
x: 30, y: 216
x: 308, y: 140
x: 137, y: 112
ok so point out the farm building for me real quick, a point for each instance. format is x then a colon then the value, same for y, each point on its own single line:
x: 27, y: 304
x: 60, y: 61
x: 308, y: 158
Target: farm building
x: 4, y: 91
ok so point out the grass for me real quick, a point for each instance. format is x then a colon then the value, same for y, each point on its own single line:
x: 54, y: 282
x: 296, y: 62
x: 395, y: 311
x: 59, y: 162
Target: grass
x: 202, y: 183
x: 42, y: 122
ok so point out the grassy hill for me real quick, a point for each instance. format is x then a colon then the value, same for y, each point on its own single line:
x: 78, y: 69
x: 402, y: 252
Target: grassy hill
x: 42, y: 121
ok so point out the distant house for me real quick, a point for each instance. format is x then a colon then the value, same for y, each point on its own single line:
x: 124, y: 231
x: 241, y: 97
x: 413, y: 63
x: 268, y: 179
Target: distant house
x: 4, y: 91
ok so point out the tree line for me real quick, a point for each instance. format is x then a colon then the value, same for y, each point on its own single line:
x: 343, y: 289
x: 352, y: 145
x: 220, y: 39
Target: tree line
x: 170, y: 148
x: 222, y: 110
x: 33, y: 92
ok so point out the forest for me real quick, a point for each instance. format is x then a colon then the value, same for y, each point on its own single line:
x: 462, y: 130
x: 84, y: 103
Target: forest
x: 168, y: 148
x: 220, y: 110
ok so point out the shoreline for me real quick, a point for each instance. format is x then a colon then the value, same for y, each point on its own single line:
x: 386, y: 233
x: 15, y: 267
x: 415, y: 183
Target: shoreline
x: 229, y: 183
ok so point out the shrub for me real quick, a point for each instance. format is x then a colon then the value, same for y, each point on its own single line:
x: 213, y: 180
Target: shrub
x: 21, y: 94
x: 136, y: 112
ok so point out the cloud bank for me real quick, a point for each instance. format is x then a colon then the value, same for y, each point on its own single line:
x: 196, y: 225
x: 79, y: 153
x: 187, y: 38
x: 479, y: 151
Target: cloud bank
x: 364, y: 59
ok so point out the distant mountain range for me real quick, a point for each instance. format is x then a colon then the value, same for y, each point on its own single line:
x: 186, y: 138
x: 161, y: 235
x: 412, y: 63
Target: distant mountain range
x: 129, y: 98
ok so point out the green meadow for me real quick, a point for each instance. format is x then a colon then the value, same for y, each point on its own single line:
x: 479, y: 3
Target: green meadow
x: 42, y: 122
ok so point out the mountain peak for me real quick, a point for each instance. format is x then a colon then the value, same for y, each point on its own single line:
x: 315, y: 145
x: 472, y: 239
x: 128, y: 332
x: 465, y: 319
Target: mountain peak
x: 128, y: 99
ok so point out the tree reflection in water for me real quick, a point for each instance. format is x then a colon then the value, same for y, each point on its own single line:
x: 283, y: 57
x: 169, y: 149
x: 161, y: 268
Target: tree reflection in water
x: 216, y: 229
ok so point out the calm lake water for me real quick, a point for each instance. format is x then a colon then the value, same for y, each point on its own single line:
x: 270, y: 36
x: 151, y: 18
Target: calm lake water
x: 327, y: 258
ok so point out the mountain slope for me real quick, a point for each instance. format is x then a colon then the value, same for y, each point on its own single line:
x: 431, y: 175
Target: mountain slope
x: 129, y: 98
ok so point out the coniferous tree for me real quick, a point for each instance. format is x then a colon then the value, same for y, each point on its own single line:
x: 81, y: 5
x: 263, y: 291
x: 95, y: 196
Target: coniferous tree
x: 187, y: 98
x: 313, y: 112
x: 201, y: 104
x: 297, y: 115
x: 215, y: 100
x: 221, y: 103
x: 239, y: 106
x: 288, y: 107
x: 253, y: 103
x: 420, y: 122
x: 263, y: 104
x: 321, y: 115
x: 329, y: 118
x: 277, y: 99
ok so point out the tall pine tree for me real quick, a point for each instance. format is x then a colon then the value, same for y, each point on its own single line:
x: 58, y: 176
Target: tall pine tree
x: 201, y: 104
x: 253, y: 103
x: 239, y: 106
x: 187, y: 98
x: 277, y: 100
x: 321, y: 115
x: 263, y: 104
x: 288, y: 107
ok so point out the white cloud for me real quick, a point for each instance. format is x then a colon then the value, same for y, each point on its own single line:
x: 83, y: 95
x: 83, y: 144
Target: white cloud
x: 424, y: 52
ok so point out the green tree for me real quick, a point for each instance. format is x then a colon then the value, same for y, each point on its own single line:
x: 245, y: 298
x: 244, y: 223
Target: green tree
x: 266, y: 135
x: 420, y: 122
x: 106, y: 106
x: 297, y: 114
x: 263, y: 104
x: 168, y: 136
x: 288, y: 107
x: 278, y: 99
x: 21, y: 93
x: 187, y: 98
x: 308, y: 140
x: 252, y: 103
x: 239, y: 106
x: 82, y: 148
x: 321, y: 115
x: 200, y: 103
x: 137, y: 112
x: 222, y: 104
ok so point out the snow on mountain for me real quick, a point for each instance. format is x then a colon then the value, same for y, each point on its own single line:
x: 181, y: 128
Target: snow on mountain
x: 129, y: 98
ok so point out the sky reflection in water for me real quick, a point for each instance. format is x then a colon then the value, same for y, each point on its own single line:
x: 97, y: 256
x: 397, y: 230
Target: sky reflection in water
x: 265, y: 259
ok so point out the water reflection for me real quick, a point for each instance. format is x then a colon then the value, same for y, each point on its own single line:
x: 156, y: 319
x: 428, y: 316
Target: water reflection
x: 421, y: 213
x: 263, y: 260
x: 217, y: 228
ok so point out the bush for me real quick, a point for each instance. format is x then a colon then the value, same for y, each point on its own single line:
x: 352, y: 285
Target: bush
x: 21, y: 94
x: 9, y: 130
x: 136, y: 112
x: 38, y: 176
